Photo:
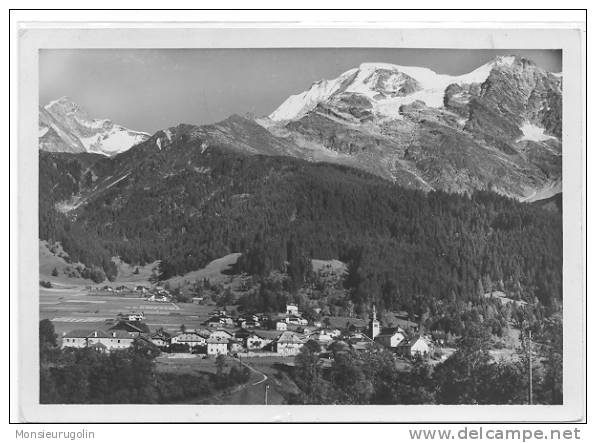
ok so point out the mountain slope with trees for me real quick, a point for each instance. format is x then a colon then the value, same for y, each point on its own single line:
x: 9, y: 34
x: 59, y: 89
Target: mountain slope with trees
x: 193, y: 200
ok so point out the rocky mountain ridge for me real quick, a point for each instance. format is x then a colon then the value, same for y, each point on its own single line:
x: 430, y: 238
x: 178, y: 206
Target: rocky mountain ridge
x: 65, y: 127
x: 496, y: 128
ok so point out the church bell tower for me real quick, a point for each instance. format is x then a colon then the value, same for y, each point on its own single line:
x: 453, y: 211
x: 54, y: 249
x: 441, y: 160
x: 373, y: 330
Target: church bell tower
x: 375, y: 326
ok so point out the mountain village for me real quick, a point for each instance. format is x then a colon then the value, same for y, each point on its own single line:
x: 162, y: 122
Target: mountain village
x: 245, y: 336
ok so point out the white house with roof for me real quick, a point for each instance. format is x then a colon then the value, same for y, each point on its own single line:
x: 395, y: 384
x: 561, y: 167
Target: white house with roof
x: 160, y: 338
x: 323, y: 336
x: 296, y: 320
x: 250, y: 323
x: 91, y: 338
x: 217, y: 345
x: 292, y: 310
x: 415, y: 346
x: 281, y: 326
x: 390, y: 337
x: 190, y: 338
x: 289, y: 343
x: 255, y: 342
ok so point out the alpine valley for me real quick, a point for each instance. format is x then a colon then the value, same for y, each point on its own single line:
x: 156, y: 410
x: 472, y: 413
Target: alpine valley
x: 424, y: 184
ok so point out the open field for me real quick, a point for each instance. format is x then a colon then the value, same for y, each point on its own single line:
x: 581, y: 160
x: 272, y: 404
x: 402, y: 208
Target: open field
x: 73, y: 308
x: 186, y: 363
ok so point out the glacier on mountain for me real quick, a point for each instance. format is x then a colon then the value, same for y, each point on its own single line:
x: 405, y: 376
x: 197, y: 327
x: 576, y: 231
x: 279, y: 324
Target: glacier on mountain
x: 427, y: 86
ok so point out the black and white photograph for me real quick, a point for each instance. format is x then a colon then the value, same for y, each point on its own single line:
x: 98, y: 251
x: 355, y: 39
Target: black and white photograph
x: 286, y: 226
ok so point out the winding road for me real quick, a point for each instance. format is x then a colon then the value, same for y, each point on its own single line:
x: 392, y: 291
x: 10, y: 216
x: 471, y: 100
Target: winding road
x: 251, y: 392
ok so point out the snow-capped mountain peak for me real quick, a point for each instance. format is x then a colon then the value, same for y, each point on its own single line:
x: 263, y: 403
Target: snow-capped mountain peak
x: 300, y: 104
x: 387, y: 86
x: 65, y: 127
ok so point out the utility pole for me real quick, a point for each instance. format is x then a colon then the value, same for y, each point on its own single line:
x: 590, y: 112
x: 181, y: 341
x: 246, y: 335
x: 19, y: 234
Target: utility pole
x: 266, y: 393
x: 530, y: 365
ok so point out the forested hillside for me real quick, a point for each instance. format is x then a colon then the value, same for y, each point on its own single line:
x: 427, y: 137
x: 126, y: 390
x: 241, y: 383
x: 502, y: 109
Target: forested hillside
x: 191, y: 202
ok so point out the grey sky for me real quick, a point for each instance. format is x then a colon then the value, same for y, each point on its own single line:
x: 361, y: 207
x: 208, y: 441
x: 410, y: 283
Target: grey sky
x: 151, y: 89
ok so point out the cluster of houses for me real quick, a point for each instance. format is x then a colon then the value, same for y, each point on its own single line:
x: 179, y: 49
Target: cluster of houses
x: 289, y: 320
x: 201, y: 341
x: 397, y: 339
x: 226, y: 336
x: 156, y: 293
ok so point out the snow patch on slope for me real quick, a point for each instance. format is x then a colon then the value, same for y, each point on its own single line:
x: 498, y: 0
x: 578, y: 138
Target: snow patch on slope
x: 534, y: 133
x: 117, y: 140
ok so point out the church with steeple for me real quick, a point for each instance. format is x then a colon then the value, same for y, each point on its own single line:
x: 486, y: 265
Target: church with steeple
x: 374, y: 326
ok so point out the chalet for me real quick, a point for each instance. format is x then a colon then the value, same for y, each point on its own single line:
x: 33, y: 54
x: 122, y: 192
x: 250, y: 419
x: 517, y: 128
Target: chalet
x: 255, y: 342
x: 289, y: 343
x: 250, y: 324
x: 390, y: 337
x: 281, y: 326
x: 161, y: 339
x: 133, y: 316
x: 159, y: 298
x: 296, y: 320
x: 292, y: 310
x: 110, y: 340
x: 415, y: 346
x: 190, y: 338
x: 220, y: 320
x: 322, y: 336
x: 217, y: 313
x: 217, y: 346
